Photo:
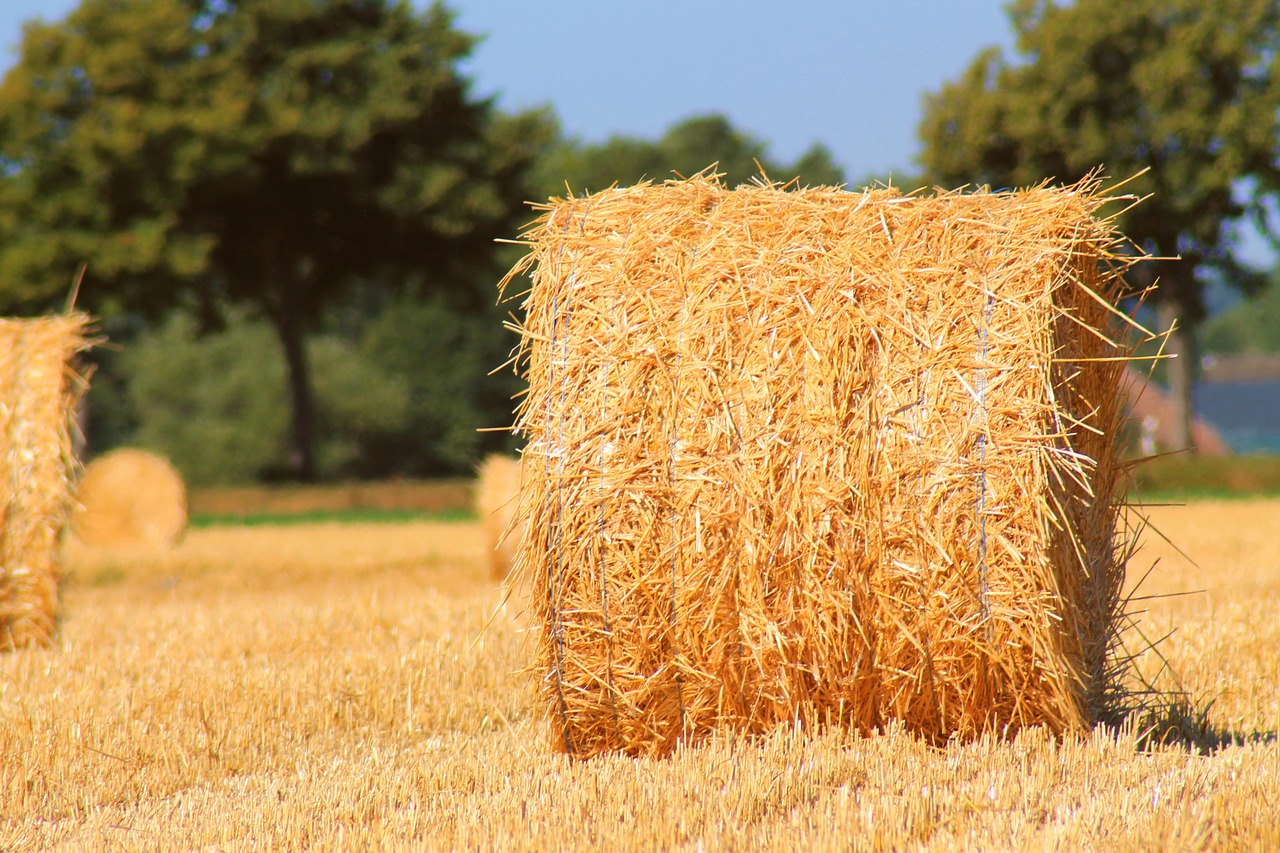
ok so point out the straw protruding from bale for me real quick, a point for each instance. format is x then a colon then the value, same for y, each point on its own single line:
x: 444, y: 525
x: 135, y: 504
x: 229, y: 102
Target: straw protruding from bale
x: 496, y: 498
x: 130, y: 498
x: 38, y: 392
x: 823, y: 456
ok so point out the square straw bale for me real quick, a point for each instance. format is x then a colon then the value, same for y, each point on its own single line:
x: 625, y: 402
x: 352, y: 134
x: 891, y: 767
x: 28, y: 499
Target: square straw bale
x: 820, y: 456
x: 38, y: 393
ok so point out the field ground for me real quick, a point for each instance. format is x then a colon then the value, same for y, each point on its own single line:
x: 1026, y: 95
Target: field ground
x: 1173, y: 477
x: 229, y: 504
x: 354, y: 686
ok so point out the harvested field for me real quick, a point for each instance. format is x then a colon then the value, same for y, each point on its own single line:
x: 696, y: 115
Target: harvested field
x: 349, y: 686
x: 415, y: 495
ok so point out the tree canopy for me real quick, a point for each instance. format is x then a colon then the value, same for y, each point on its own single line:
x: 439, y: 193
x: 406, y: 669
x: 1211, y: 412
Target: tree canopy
x: 687, y: 147
x: 267, y: 153
x: 1181, y: 93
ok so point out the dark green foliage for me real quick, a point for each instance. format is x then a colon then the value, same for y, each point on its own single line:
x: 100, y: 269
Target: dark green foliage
x: 686, y: 148
x: 266, y: 153
x: 356, y: 401
x: 406, y: 399
x: 214, y: 403
x: 443, y: 358
x: 108, y: 417
x: 1181, y: 88
x: 211, y: 404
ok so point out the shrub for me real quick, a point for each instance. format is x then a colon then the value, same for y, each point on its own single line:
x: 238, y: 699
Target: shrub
x: 215, y: 404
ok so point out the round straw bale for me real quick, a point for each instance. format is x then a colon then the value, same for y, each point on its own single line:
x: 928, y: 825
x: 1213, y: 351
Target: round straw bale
x: 39, y: 389
x: 496, y: 491
x: 822, y: 456
x: 131, y: 498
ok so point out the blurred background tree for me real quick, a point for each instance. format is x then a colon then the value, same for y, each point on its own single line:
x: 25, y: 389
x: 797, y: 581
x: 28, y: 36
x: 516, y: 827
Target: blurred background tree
x: 210, y: 401
x: 269, y: 154
x: 1183, y: 89
x: 287, y: 209
x: 687, y: 147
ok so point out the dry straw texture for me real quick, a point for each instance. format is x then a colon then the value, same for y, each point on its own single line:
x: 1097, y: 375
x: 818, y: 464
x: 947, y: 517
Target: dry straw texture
x: 821, y: 456
x: 497, y: 488
x: 38, y: 392
x: 131, y: 499
x: 348, y: 687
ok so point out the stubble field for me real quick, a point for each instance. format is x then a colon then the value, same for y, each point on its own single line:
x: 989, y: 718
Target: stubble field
x: 356, y: 687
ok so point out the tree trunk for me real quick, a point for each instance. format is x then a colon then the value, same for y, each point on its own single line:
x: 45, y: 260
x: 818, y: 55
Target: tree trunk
x: 302, y: 401
x: 1181, y: 348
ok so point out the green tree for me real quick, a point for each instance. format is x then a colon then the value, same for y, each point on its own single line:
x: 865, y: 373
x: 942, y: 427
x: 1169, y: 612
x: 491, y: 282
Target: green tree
x: 1180, y: 88
x: 687, y: 147
x: 210, y: 401
x: 442, y: 357
x: 263, y: 153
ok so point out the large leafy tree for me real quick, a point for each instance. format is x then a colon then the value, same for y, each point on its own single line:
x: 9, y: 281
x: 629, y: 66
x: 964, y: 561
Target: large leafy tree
x: 266, y: 153
x: 687, y: 147
x: 1179, y: 88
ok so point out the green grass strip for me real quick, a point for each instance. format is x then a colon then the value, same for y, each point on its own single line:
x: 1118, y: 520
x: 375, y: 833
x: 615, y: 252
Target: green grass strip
x: 1191, y: 494
x: 331, y: 516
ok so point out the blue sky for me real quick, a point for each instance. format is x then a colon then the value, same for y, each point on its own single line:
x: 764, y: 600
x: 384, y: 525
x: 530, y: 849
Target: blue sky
x: 847, y: 73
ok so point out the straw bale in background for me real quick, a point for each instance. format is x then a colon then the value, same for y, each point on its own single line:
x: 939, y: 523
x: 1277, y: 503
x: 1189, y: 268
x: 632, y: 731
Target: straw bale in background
x: 38, y: 391
x: 820, y: 455
x: 497, y: 489
x: 132, y: 499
